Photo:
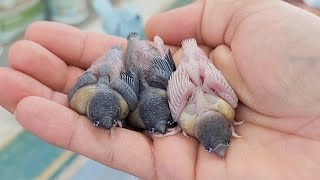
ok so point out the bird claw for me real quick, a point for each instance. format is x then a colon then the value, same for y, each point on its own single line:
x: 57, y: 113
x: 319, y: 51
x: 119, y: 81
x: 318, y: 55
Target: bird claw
x: 116, y: 123
x: 185, y: 134
x: 233, y: 132
x: 159, y: 135
x: 170, y: 132
x: 111, y: 132
x: 173, y: 131
x: 238, y: 123
x: 119, y: 123
x: 113, y: 126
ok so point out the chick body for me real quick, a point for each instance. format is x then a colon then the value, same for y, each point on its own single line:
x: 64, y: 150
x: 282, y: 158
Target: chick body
x: 152, y: 112
x: 154, y: 66
x: 201, y: 100
x: 105, y: 92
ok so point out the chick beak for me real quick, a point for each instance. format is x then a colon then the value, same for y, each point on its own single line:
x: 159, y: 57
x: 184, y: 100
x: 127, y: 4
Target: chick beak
x: 161, y: 127
x: 107, y: 122
x: 221, y: 150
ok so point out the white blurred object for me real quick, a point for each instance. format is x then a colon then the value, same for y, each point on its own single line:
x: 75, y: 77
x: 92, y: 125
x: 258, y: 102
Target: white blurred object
x: 312, y: 3
x: 68, y: 11
x: 7, y: 4
x: 9, y: 127
x: 16, y: 15
x: 1, y: 49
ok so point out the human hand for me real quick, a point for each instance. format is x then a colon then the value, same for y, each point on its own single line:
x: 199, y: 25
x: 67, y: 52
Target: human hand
x: 267, y: 50
x: 46, y: 65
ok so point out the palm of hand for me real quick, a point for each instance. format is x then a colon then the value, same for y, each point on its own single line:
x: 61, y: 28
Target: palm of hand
x: 274, y: 144
x: 270, y: 70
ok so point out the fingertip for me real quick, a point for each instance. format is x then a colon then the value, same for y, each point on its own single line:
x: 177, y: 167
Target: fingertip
x: 35, y: 61
x: 177, y: 24
x: 177, y: 56
x: 70, y: 44
x: 149, y: 29
x: 22, y: 111
x: 36, y: 29
x: 26, y: 115
x: 31, y: 28
x: 46, y: 119
x: 20, y: 51
x: 66, y: 42
x: 223, y: 59
x: 19, y: 48
x: 179, y: 52
x: 17, y: 85
x: 221, y: 52
x: 14, y: 50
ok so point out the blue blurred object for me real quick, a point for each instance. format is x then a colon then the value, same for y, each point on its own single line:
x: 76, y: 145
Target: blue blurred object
x: 97, y: 171
x: 119, y: 22
x: 69, y: 12
x: 312, y: 3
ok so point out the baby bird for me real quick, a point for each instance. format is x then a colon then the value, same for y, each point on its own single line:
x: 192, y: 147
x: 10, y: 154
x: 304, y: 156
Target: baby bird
x: 154, y: 66
x: 106, y: 93
x: 201, y: 100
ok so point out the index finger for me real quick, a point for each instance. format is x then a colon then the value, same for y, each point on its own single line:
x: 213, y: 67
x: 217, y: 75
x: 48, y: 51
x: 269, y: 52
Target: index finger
x: 75, y: 47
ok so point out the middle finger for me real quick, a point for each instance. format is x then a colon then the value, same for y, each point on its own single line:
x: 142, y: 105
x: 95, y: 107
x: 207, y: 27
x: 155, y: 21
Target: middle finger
x: 39, y: 63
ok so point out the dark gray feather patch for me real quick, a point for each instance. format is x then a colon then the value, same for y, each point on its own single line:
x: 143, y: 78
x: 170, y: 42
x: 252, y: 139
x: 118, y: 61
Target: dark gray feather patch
x: 126, y: 92
x: 161, y: 70
x: 213, y: 130
x: 85, y: 79
x: 153, y: 109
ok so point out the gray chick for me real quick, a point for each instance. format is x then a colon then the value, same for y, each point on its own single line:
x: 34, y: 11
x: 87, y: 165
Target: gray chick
x: 154, y: 66
x: 106, y: 93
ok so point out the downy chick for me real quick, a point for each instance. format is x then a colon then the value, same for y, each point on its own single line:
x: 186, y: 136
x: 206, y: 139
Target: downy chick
x: 201, y: 100
x: 154, y: 65
x: 105, y: 93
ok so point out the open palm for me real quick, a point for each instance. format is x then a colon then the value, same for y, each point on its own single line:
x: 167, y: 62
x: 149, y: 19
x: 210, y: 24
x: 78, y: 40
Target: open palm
x: 259, y: 47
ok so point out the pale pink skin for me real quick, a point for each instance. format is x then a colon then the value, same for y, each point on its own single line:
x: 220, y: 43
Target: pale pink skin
x: 144, y: 52
x: 196, y: 74
x: 112, y: 59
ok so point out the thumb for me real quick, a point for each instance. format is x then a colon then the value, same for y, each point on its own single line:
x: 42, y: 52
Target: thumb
x: 207, y: 21
x: 223, y: 59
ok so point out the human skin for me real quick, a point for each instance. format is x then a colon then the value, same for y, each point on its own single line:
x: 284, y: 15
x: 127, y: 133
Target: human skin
x: 268, y: 52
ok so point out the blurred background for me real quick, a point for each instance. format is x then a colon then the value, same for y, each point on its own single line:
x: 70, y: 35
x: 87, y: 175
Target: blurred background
x: 24, y: 156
